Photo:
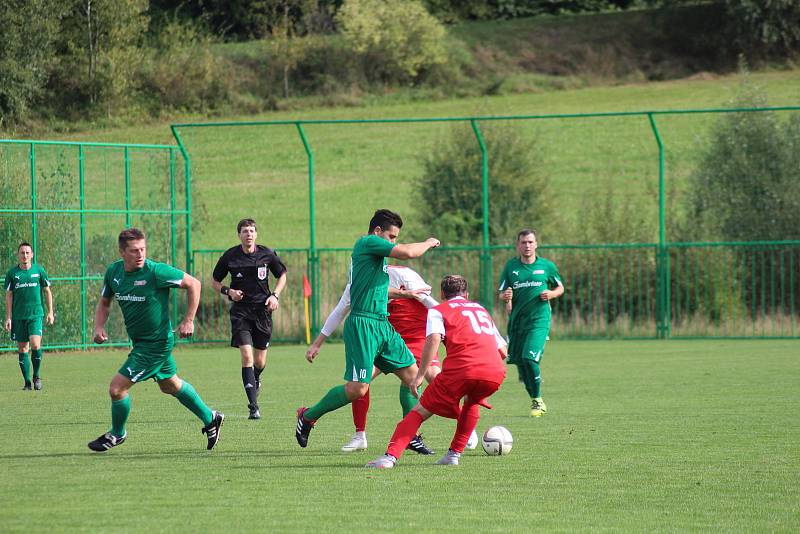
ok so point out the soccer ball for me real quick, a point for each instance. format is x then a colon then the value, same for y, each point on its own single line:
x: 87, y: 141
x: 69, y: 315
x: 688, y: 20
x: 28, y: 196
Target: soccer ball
x: 497, y: 441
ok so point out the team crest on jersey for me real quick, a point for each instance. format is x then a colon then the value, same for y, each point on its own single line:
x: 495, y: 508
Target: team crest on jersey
x: 538, y: 271
x: 262, y: 272
x: 140, y: 282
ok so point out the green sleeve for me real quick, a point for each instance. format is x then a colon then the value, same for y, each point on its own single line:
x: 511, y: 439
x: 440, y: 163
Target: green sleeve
x: 376, y: 246
x: 107, y: 292
x: 503, y: 284
x: 167, y: 275
x: 554, y: 280
x: 44, y: 280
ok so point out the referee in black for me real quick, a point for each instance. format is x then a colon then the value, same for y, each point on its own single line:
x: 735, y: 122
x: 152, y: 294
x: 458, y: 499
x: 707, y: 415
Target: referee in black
x: 253, y: 303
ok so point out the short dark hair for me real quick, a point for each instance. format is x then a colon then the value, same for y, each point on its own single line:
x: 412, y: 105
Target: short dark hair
x: 24, y: 244
x: 454, y: 285
x: 246, y: 222
x: 526, y: 231
x: 129, y: 234
x: 385, y: 218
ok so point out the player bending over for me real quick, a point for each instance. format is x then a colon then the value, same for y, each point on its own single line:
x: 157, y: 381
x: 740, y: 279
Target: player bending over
x: 473, y: 370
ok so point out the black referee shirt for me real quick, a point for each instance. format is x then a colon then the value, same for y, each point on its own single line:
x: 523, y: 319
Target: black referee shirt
x: 249, y: 272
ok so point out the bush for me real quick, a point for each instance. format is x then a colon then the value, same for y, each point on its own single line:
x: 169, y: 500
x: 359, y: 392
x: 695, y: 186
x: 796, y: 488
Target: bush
x: 450, y: 190
x: 399, y: 39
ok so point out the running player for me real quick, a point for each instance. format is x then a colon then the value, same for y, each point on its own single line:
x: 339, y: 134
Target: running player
x: 25, y: 284
x: 141, y: 288
x: 370, y: 341
x: 528, y: 284
x: 253, y: 304
x: 473, y: 370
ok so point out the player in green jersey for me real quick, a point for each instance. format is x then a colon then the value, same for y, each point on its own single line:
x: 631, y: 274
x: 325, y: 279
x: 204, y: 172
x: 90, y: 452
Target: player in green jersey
x: 25, y: 284
x: 527, y: 285
x: 369, y: 339
x: 141, y: 288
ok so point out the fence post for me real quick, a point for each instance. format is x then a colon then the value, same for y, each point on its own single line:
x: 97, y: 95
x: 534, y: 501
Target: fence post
x: 487, y: 293
x: 662, y: 256
x: 313, y: 253
x: 34, y: 236
x: 188, y: 186
x: 82, y: 201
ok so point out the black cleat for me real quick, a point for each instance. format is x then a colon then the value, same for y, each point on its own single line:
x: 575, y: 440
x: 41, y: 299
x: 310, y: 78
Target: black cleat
x: 27, y: 387
x: 37, y: 383
x: 213, y: 428
x: 106, y: 441
x: 304, y: 427
x: 418, y: 446
x: 254, y: 412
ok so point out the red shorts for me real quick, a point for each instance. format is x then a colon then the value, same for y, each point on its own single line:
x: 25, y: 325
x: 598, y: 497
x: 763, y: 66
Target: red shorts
x: 416, y: 349
x: 443, y: 395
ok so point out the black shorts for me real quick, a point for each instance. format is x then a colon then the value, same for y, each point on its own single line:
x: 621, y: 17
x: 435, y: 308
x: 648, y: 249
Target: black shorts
x: 251, y: 325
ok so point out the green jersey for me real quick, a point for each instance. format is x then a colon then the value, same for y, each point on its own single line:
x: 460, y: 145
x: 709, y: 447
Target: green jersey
x: 143, y: 296
x: 528, y: 280
x: 26, y: 286
x: 369, y: 275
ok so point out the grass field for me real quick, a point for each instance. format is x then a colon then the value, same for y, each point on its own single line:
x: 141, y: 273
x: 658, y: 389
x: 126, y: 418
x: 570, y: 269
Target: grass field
x: 640, y: 436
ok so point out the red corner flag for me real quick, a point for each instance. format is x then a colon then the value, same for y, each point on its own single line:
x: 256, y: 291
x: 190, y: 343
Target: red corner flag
x: 306, y: 287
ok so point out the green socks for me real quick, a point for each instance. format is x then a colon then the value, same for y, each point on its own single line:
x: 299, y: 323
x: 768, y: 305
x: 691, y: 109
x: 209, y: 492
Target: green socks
x: 407, y: 400
x: 532, y: 378
x: 25, y: 366
x: 189, y: 398
x: 120, y: 409
x: 333, y: 400
x: 37, y: 361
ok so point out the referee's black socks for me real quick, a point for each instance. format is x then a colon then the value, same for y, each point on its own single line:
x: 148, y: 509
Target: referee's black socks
x: 249, y: 383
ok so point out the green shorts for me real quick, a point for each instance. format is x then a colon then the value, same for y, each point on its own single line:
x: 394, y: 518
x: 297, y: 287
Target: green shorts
x: 527, y: 345
x: 370, y: 340
x: 149, y: 361
x: 23, y: 329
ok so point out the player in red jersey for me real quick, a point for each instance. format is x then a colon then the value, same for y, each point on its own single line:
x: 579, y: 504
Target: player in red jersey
x: 408, y: 311
x: 473, y: 370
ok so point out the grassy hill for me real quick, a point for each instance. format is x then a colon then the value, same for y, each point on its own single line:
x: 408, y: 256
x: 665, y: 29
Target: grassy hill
x: 261, y: 171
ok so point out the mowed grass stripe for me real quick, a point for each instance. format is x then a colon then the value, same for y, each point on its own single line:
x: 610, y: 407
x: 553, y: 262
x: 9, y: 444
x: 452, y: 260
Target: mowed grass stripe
x: 679, y: 435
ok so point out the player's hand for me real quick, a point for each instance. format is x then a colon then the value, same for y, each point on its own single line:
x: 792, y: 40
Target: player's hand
x: 311, y: 353
x: 507, y: 295
x: 415, y: 384
x: 235, y: 295
x: 418, y: 294
x: 50, y: 319
x: 546, y: 294
x: 272, y: 303
x: 433, y: 242
x: 186, y: 328
x: 503, y: 351
x: 100, y: 336
x: 7, y: 325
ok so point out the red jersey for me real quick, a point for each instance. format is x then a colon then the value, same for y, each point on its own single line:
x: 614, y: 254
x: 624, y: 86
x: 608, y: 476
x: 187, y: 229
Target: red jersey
x: 470, y: 338
x: 408, y: 316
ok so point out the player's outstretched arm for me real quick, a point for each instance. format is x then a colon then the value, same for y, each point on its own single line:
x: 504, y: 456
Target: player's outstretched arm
x: 331, y: 324
x: 193, y: 287
x: 429, y: 350
x: 407, y: 251
x: 100, y: 317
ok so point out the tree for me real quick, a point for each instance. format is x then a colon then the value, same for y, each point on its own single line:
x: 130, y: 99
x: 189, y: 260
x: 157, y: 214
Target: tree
x: 28, y: 30
x: 449, y: 191
x: 398, y: 38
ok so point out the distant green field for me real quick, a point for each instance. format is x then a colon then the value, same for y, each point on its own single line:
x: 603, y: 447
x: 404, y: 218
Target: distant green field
x: 640, y: 436
x: 261, y: 171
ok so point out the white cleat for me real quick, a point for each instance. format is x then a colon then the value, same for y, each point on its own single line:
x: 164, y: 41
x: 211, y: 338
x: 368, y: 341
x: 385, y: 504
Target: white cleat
x: 358, y: 443
x: 382, y: 462
x: 473, y: 440
x: 450, y: 458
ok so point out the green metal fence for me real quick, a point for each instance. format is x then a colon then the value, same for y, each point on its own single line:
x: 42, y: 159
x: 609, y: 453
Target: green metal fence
x: 715, y: 289
x: 302, y: 165
x: 70, y: 201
